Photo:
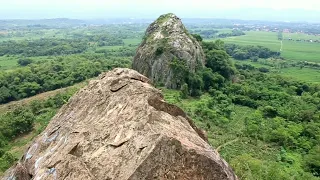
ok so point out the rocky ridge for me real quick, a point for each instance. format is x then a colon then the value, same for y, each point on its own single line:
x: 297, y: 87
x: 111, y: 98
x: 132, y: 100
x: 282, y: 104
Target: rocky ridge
x: 119, y: 127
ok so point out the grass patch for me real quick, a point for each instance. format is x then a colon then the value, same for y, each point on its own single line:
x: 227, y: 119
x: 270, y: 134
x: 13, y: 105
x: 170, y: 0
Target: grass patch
x: 304, y: 74
x: 301, y: 51
x: 133, y: 42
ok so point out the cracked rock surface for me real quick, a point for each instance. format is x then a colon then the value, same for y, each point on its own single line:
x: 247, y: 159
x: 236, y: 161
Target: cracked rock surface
x: 120, y: 128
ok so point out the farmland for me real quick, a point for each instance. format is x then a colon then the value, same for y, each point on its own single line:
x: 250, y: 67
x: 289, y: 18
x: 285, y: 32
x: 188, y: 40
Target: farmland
x: 291, y: 50
x: 297, y: 73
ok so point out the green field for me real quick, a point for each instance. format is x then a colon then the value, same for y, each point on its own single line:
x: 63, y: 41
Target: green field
x: 301, y: 51
x: 11, y: 62
x: 266, y: 39
x: 32, y: 35
x: 109, y: 48
x: 291, y: 50
x: 8, y: 62
x: 302, y: 36
x: 304, y: 74
x: 133, y: 42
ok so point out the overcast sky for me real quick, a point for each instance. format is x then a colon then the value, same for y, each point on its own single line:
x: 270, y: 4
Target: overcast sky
x: 88, y: 9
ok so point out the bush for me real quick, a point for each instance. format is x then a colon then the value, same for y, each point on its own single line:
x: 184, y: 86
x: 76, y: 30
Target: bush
x: 184, y: 91
x: 24, y: 62
x: 312, y: 161
x: 263, y: 70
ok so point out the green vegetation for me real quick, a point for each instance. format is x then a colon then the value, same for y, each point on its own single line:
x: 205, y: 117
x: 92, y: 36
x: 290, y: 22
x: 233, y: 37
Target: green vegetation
x: 302, y: 71
x: 301, y: 51
x: 302, y: 74
x: 62, y: 57
x: 300, y: 36
x: 256, y: 38
x: 163, y: 18
x: 235, y: 32
x: 249, y: 52
x: 54, y: 74
x: 266, y: 126
x: 23, y: 123
x: 205, y: 33
x: 262, y: 115
x: 291, y: 50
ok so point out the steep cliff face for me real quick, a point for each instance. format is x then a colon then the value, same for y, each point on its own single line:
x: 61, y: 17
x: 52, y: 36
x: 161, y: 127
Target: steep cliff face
x: 119, y: 127
x: 167, y: 40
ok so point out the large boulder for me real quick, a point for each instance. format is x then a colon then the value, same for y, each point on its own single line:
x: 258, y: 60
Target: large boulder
x: 167, y: 40
x: 118, y: 128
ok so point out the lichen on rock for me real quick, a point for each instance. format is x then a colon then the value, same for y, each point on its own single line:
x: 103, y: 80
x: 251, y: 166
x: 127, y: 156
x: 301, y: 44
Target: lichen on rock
x: 165, y: 40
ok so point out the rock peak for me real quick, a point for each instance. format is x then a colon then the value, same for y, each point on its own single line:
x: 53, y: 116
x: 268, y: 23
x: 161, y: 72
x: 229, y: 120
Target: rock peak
x: 120, y: 128
x: 167, y: 40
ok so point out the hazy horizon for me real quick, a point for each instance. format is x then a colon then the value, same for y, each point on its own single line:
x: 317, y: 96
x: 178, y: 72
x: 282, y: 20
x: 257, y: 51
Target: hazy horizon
x: 308, y: 10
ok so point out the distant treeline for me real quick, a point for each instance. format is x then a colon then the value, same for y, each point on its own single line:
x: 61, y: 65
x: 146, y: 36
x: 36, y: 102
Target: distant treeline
x: 206, y: 34
x: 249, y: 52
x: 49, y: 47
x: 210, y: 33
x: 234, y: 32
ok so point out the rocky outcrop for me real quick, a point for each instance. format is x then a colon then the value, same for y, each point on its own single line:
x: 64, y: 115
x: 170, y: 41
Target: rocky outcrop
x: 117, y: 128
x: 167, y: 40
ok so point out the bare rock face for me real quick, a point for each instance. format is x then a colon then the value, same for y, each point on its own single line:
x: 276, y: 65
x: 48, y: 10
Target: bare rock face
x: 119, y: 128
x: 167, y: 40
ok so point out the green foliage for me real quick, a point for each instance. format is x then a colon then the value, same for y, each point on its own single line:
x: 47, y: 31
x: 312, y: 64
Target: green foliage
x: 266, y: 126
x: 159, y: 51
x: 312, y: 160
x: 285, y: 116
x: 195, y: 84
x: 43, y: 47
x: 248, y: 167
x: 218, y: 61
x: 234, y: 32
x: 211, y: 80
x: 54, y: 74
x: 6, y: 161
x: 249, y: 52
x: 180, y: 71
x: 162, y: 46
x: 184, y: 91
x: 205, y: 33
x: 22, y: 119
x: 197, y: 37
x: 163, y: 18
x: 24, y: 62
x: 291, y: 50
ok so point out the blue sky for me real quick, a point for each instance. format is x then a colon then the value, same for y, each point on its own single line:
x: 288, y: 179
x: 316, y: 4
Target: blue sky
x: 37, y: 9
